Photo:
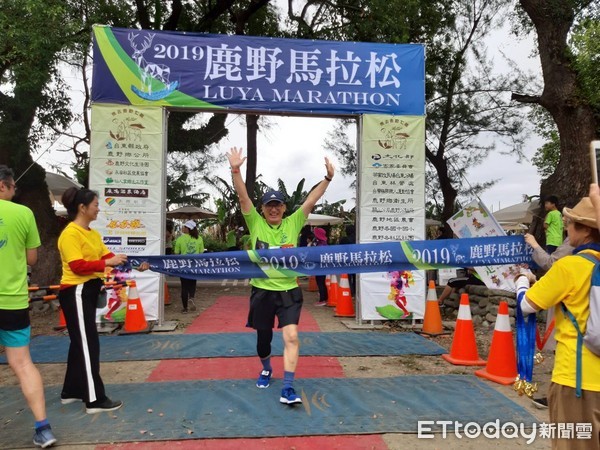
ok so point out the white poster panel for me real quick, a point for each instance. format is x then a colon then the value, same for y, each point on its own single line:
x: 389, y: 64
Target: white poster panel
x: 475, y: 220
x: 127, y: 171
x: 392, y: 208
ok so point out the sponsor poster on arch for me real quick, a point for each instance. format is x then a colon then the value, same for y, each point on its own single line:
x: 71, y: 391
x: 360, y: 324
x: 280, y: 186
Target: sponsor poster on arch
x: 392, y: 208
x: 204, y: 71
x: 126, y: 164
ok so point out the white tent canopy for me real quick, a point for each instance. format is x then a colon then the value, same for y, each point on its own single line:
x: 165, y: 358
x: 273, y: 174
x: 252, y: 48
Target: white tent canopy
x: 58, y: 184
x: 516, y: 214
x: 322, y: 219
x: 190, y: 212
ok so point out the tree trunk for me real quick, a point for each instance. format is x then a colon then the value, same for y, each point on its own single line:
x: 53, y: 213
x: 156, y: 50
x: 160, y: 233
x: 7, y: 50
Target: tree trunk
x: 449, y: 193
x: 251, y: 135
x: 32, y: 192
x: 573, y: 116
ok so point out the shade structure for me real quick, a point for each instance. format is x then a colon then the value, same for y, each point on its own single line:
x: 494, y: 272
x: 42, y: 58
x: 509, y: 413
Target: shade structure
x: 322, y: 219
x: 191, y: 212
x: 58, y: 184
x: 515, y: 214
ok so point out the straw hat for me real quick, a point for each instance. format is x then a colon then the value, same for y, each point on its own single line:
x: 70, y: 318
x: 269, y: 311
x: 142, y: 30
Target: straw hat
x: 583, y: 213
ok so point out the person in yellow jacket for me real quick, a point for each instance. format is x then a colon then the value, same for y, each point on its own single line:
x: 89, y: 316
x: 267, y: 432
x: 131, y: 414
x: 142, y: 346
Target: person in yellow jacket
x: 189, y: 243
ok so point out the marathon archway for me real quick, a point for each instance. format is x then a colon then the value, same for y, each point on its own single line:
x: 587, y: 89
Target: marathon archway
x: 139, y: 75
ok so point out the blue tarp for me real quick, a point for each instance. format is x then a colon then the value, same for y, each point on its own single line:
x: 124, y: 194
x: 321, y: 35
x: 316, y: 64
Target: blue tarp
x: 236, y: 408
x: 54, y: 349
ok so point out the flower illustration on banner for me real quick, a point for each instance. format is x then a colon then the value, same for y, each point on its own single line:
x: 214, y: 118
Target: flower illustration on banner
x: 117, y: 300
x: 399, y: 281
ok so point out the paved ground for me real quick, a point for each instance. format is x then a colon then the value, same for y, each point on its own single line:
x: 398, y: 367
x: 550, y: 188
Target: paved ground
x: 363, y: 367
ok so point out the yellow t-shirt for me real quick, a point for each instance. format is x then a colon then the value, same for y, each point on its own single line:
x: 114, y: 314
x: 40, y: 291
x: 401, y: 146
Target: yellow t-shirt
x: 77, y: 243
x: 569, y: 281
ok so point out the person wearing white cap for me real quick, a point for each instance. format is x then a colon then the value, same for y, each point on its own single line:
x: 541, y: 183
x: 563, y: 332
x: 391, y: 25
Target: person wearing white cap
x: 273, y: 297
x: 189, y: 243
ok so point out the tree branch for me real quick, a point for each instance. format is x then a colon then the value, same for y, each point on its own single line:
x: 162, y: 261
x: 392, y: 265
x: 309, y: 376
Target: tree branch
x: 142, y: 15
x: 241, y: 19
x: 207, y: 21
x: 524, y: 98
x: 173, y: 20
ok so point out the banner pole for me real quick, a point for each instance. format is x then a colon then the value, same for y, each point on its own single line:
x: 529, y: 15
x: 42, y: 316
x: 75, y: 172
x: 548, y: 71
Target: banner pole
x: 357, y: 293
x: 163, y: 325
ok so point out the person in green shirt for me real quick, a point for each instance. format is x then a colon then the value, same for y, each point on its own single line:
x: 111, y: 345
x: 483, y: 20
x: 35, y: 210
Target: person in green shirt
x: 271, y: 297
x: 553, y: 224
x: 189, y: 243
x: 19, y: 241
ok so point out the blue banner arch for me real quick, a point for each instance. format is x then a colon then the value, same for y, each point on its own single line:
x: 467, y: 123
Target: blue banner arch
x: 204, y: 71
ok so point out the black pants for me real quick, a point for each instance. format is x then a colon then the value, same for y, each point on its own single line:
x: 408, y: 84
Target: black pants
x: 82, y: 379
x: 320, y: 279
x: 188, y: 290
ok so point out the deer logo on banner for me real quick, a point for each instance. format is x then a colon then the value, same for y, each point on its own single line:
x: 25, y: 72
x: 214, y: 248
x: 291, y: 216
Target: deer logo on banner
x: 150, y: 71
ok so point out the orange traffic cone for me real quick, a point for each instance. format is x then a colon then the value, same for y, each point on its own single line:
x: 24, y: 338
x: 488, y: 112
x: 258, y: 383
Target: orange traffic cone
x: 62, y: 323
x: 344, y: 306
x: 166, y: 295
x: 332, y: 292
x: 312, y: 284
x: 464, y: 348
x: 135, y: 320
x: 502, y: 360
x: 328, y: 283
x: 432, y: 322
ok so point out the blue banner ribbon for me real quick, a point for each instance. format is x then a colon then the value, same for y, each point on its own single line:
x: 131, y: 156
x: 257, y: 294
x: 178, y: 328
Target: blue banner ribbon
x: 340, y: 259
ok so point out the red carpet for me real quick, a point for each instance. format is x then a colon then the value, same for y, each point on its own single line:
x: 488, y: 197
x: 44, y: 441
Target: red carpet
x: 359, y: 442
x: 230, y: 314
x: 242, y: 368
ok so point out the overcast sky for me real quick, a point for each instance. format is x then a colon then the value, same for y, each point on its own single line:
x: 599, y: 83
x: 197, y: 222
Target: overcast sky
x: 293, y: 148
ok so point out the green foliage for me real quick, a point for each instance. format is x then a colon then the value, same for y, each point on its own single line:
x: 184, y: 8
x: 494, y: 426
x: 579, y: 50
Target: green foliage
x: 338, y: 141
x: 213, y: 244
x: 295, y: 199
x: 546, y: 157
x: 468, y: 112
x: 586, y: 47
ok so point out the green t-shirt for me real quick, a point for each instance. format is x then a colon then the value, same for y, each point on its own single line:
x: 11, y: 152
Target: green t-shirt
x: 230, y: 239
x: 18, y: 232
x: 263, y: 235
x: 554, y: 232
x: 187, y: 245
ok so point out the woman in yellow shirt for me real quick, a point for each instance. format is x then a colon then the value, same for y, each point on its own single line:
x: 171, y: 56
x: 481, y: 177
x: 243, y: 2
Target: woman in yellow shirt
x: 84, y: 258
x: 568, y: 282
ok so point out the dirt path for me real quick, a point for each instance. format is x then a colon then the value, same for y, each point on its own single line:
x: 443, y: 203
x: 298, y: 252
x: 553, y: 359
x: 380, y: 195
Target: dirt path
x: 354, y: 367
